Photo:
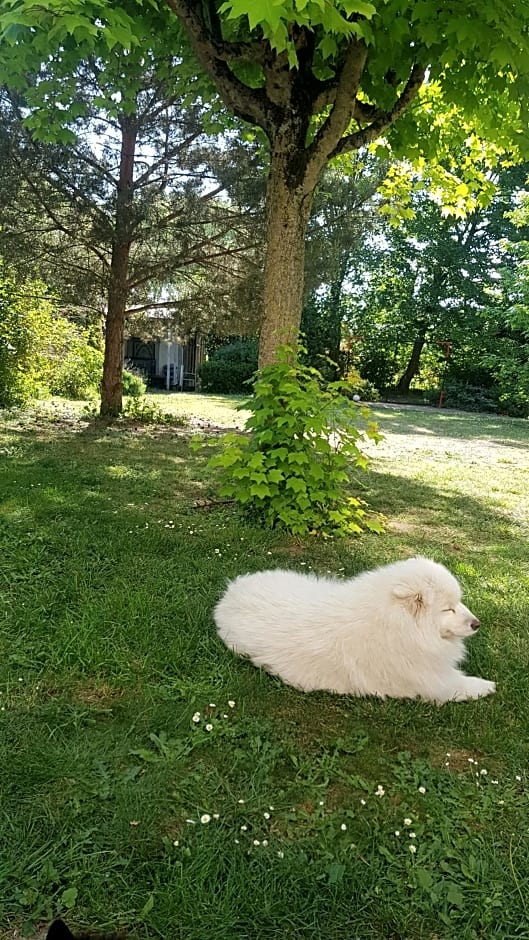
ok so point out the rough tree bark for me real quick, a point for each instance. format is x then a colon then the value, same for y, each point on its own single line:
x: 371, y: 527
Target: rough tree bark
x: 288, y: 209
x: 112, y: 384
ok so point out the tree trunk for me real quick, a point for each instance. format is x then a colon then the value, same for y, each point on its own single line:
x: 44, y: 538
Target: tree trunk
x: 403, y: 385
x: 112, y: 384
x: 287, y: 212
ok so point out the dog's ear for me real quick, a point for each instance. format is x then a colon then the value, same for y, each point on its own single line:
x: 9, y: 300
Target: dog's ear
x: 413, y: 597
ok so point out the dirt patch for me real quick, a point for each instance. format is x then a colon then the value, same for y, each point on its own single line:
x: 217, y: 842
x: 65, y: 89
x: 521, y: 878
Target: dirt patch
x: 102, y: 695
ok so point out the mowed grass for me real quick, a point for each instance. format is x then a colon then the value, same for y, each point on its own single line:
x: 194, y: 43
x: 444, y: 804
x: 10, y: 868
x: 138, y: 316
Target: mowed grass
x: 124, y: 721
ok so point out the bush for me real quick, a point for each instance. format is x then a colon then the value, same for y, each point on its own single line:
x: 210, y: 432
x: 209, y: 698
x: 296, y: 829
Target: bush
x: 354, y: 384
x: 133, y: 383
x: 514, y: 402
x: 43, y: 353
x: 292, y: 468
x: 509, y: 365
x: 465, y: 397
x: 230, y: 367
x: 27, y: 324
x: 78, y: 374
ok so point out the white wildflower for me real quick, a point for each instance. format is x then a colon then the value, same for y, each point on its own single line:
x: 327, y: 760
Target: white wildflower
x: 343, y: 827
x: 407, y: 821
x: 413, y: 849
x: 205, y: 818
x: 422, y: 789
x: 209, y: 727
x: 231, y: 703
x: 196, y: 717
x: 266, y: 815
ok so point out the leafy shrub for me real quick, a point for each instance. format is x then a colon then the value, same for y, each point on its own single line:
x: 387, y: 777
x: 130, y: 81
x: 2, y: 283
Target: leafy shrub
x: 514, y: 402
x: 230, y: 367
x: 145, y: 411
x: 79, y: 371
x: 26, y: 327
x: 465, y: 397
x: 354, y: 384
x: 141, y: 411
x: 509, y: 365
x: 43, y: 353
x: 133, y: 383
x: 292, y: 468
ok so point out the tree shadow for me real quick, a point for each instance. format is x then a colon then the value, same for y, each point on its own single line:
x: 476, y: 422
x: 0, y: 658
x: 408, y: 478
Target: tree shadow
x: 494, y: 428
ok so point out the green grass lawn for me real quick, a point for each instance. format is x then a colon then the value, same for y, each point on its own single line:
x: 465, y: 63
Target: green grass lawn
x: 124, y: 722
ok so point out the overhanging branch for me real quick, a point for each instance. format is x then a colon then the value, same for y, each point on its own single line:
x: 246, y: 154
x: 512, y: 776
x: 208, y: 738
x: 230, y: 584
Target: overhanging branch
x: 386, y: 118
x: 347, y: 84
x: 250, y: 104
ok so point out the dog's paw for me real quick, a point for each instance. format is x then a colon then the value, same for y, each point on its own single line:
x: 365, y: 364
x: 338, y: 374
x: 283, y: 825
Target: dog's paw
x: 472, y: 687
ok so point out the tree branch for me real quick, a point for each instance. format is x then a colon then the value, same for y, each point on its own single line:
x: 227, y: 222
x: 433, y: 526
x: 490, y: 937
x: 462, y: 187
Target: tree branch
x: 58, y: 223
x: 167, y: 157
x: 386, y: 118
x: 225, y: 51
x: 249, y: 104
x: 347, y: 84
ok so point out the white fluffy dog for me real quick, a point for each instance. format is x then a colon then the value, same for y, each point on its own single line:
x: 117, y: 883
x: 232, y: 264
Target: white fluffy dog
x: 396, y: 631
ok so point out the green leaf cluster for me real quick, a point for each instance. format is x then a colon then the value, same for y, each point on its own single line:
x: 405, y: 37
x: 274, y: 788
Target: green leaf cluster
x: 274, y: 19
x: 41, y: 352
x: 293, y: 469
x: 26, y: 329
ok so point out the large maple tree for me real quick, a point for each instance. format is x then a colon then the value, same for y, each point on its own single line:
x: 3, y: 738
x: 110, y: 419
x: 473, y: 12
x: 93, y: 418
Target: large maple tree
x: 321, y: 78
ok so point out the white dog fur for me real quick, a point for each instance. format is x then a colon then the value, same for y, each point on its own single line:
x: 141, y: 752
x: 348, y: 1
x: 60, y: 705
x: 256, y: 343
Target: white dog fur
x: 396, y: 631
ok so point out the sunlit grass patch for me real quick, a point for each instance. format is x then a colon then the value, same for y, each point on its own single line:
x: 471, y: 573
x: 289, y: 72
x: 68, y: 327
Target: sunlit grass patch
x: 152, y: 780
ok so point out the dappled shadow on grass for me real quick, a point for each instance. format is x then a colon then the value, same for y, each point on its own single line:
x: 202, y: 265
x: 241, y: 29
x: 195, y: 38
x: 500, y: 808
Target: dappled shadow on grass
x: 494, y: 429
x: 94, y: 470
x: 109, y: 650
x: 439, y: 515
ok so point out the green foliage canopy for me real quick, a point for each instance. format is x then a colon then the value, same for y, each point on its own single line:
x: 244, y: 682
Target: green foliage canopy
x: 472, y: 59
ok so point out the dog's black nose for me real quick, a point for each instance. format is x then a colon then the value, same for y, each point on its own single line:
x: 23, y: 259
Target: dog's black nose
x: 475, y: 624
